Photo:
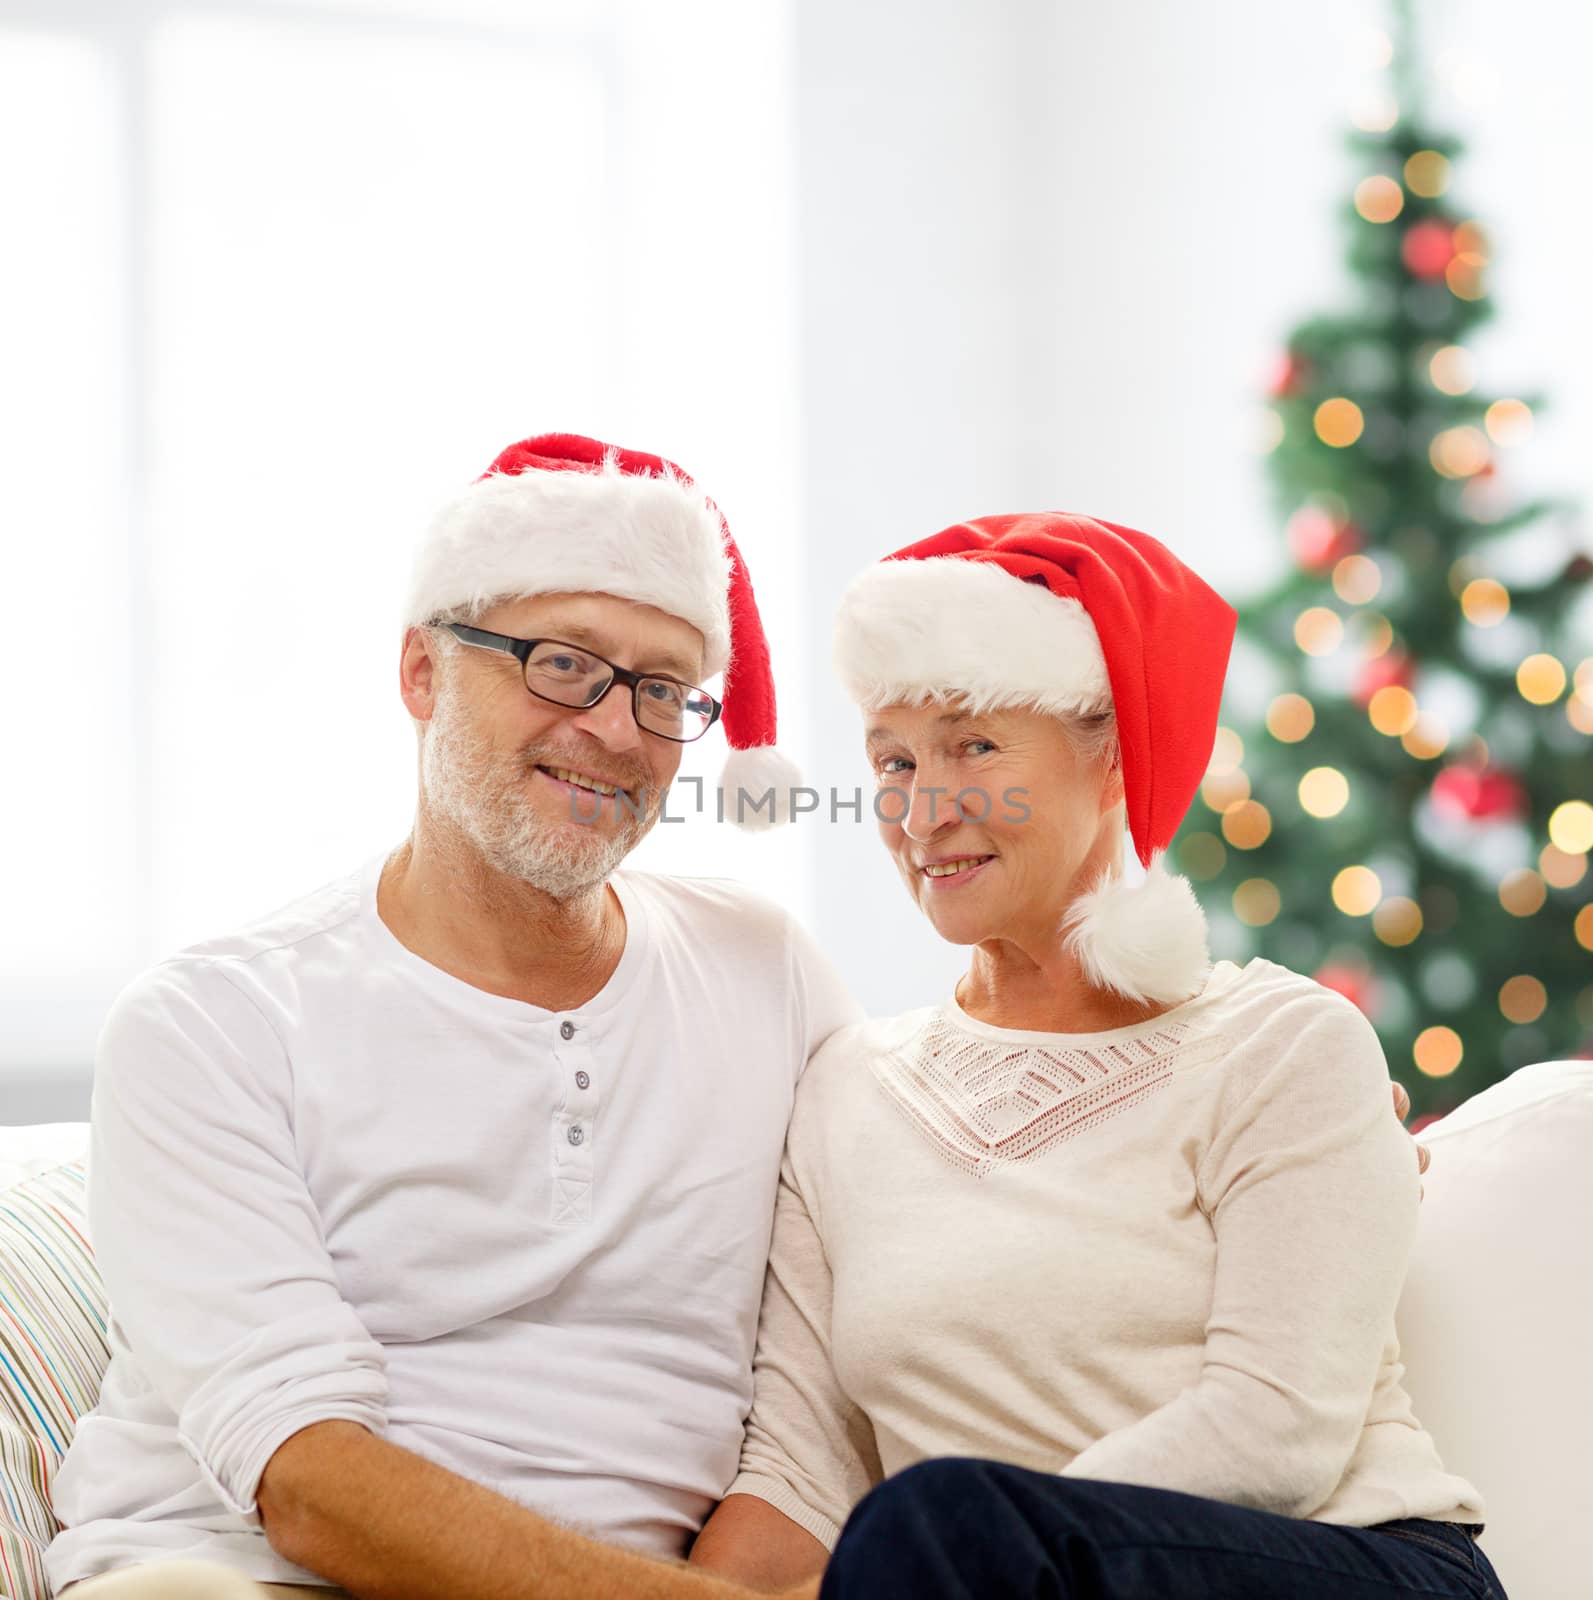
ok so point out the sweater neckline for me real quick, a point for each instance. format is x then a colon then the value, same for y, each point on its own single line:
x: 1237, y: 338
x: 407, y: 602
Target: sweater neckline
x: 1224, y: 976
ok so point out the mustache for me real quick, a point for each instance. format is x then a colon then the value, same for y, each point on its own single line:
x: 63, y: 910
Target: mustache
x: 601, y: 764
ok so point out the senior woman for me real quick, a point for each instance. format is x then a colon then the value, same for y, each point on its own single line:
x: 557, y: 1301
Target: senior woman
x: 1083, y: 1281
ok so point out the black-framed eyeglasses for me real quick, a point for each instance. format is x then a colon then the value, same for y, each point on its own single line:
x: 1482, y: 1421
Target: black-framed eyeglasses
x: 571, y: 675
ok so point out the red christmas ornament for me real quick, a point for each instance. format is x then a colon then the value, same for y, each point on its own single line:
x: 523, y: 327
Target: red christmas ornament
x: 1289, y: 373
x: 1427, y: 249
x: 1391, y: 670
x: 1353, y: 982
x: 1486, y: 794
x: 1318, y: 540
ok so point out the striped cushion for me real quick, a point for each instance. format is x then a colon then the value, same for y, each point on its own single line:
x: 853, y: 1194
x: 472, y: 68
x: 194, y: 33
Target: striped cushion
x: 52, y: 1356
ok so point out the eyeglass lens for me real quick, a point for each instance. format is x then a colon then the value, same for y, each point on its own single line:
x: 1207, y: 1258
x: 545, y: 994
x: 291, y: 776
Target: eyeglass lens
x: 570, y: 677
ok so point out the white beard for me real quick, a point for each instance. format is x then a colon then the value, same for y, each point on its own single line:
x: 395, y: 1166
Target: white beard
x: 483, y: 794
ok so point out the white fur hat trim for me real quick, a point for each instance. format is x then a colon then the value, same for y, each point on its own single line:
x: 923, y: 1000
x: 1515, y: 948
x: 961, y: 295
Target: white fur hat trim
x: 1145, y: 940
x: 913, y: 631
x: 654, y: 540
x: 757, y: 788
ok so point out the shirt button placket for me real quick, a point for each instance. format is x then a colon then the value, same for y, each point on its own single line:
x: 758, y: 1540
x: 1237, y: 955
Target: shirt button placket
x: 573, y: 1127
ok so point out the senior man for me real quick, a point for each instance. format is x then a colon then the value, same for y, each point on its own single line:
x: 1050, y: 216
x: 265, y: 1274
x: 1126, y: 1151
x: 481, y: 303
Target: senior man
x: 445, y: 1192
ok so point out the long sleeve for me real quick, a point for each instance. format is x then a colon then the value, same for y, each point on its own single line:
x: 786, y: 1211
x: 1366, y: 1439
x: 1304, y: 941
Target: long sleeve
x: 211, y: 1248
x: 808, y: 1450
x: 822, y: 1002
x: 1312, y: 1193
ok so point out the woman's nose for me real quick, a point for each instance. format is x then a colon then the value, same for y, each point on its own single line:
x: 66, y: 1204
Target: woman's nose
x: 933, y: 808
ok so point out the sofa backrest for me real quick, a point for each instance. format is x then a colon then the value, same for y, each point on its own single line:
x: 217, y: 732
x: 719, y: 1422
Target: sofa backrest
x: 1496, y: 1322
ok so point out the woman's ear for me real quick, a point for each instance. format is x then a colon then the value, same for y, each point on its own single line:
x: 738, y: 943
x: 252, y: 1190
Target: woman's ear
x: 1112, y: 788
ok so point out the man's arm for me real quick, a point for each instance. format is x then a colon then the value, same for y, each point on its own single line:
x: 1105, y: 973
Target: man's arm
x: 206, y: 1235
x: 387, y: 1524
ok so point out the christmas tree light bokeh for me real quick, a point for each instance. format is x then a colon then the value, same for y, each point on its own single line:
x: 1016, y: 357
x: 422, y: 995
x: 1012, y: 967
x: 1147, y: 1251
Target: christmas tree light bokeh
x: 1398, y: 799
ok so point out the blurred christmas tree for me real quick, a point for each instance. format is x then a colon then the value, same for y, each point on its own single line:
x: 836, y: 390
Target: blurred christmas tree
x: 1398, y: 802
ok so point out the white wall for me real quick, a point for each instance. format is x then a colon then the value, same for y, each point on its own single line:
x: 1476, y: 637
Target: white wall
x: 294, y: 274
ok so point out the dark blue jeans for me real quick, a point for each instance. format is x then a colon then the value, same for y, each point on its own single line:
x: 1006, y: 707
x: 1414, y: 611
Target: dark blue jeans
x: 981, y: 1530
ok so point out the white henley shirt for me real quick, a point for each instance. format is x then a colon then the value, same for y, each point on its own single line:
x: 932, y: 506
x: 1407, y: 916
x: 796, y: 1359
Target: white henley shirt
x: 329, y: 1180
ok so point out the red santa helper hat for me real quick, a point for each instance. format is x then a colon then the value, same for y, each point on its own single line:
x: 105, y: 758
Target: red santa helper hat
x: 1063, y: 614
x: 559, y: 513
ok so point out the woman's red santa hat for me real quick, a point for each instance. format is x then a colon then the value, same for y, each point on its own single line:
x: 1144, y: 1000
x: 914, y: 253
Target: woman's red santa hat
x: 559, y: 513
x: 1067, y: 614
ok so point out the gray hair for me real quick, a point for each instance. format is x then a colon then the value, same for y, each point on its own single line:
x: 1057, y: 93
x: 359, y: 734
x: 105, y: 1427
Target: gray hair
x: 1094, y: 735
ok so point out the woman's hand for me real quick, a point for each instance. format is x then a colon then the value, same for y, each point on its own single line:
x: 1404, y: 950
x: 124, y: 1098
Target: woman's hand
x: 1424, y: 1156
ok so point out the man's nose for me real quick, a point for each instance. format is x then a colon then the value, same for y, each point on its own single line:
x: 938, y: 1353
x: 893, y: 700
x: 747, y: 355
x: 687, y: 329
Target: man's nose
x: 612, y: 720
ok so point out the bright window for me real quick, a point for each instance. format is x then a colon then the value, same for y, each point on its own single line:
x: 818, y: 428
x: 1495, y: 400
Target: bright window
x: 290, y: 281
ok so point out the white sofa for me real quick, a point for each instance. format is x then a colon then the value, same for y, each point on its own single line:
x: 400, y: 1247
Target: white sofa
x: 1496, y: 1320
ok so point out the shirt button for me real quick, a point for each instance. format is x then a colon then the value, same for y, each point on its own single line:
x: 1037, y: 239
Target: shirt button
x: 575, y: 1135
x: 566, y: 1030
x: 583, y: 1080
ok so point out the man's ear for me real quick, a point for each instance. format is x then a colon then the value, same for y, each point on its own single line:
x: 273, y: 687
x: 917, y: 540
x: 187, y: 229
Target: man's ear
x: 419, y: 666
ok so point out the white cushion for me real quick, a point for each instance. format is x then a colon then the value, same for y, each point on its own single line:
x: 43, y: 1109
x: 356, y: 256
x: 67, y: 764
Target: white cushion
x: 1497, y: 1319
x: 37, y: 1147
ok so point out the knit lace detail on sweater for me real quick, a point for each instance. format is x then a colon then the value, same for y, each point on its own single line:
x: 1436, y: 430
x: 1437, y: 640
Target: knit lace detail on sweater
x: 982, y: 1102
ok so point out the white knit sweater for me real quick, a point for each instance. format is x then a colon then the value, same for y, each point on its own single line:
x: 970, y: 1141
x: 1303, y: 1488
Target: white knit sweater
x: 1168, y: 1254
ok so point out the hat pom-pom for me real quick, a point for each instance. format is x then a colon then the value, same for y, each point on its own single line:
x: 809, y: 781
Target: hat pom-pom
x: 1145, y: 940
x: 746, y: 782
